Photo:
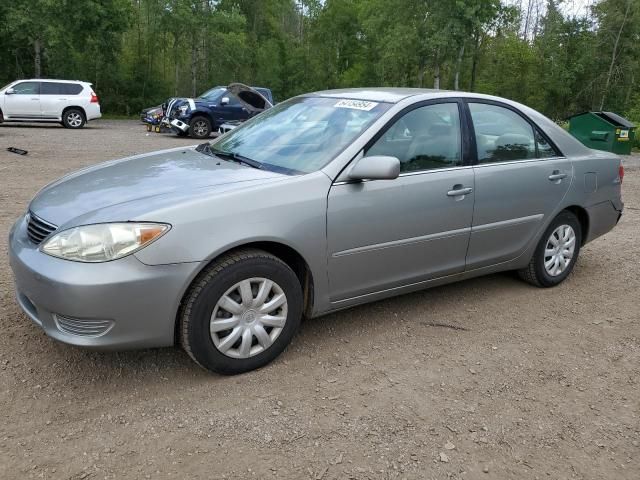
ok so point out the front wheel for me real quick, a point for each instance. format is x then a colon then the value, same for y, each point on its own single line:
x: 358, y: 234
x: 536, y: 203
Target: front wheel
x: 200, y: 127
x: 556, y: 253
x: 241, y: 312
x: 73, y: 118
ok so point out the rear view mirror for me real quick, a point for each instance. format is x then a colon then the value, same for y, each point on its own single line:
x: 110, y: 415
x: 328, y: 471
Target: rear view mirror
x: 224, y: 101
x: 9, y: 91
x: 377, y: 167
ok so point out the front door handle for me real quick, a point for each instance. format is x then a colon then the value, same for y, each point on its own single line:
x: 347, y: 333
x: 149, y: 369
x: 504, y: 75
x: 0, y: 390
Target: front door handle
x: 556, y: 176
x: 459, y: 190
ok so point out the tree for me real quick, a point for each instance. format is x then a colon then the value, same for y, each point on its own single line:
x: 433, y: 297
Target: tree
x: 139, y: 52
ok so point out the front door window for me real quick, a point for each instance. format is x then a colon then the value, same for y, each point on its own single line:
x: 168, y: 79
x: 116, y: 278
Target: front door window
x: 426, y: 138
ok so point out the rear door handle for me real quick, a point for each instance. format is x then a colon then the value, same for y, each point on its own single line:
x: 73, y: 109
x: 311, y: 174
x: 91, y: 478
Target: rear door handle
x: 556, y: 176
x: 459, y: 190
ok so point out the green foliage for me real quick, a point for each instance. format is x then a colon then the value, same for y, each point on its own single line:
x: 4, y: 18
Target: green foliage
x: 139, y: 52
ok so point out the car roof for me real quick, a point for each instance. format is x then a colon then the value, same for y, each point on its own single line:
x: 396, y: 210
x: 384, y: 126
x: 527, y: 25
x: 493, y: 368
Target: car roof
x: 51, y: 80
x: 382, y: 94
x: 567, y: 144
x: 395, y: 95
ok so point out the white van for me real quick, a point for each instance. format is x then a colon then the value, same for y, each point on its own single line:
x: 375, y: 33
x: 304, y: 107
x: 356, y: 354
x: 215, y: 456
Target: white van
x: 70, y: 102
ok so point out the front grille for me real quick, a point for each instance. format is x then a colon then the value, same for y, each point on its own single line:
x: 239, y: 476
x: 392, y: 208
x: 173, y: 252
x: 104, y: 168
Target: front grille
x: 38, y: 229
x: 83, y: 327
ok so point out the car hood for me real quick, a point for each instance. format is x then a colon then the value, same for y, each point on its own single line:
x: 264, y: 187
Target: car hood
x: 124, y: 189
x: 250, y: 98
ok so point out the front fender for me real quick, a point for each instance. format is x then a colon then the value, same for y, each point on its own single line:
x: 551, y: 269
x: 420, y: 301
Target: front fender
x: 291, y: 212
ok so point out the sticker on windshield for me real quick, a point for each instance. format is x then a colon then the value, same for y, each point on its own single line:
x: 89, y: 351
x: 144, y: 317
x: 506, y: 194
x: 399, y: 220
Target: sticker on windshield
x: 356, y: 104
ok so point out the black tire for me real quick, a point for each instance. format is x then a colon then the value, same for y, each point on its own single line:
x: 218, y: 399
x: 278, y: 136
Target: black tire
x: 208, y: 288
x: 535, y: 273
x: 200, y: 127
x: 73, y: 118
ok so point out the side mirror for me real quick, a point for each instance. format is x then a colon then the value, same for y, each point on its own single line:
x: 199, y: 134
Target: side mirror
x: 9, y: 91
x: 224, y: 101
x: 377, y: 167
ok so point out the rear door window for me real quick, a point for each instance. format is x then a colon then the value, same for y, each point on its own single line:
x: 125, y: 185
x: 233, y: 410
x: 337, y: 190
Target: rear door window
x: 50, y: 88
x: 501, y: 134
x: 545, y: 149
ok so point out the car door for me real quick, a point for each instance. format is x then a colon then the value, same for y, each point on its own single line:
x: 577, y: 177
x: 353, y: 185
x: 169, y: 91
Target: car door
x: 520, y: 178
x: 53, y: 98
x: 389, y: 233
x: 235, y: 110
x: 24, y: 102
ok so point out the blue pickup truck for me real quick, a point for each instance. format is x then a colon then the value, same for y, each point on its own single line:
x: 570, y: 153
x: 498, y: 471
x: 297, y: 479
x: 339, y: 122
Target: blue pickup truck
x: 198, y: 117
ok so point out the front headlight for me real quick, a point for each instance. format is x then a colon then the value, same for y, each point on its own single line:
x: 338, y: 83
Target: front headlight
x: 102, y: 242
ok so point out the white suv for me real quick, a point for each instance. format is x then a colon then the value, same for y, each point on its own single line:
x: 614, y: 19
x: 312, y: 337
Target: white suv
x: 72, y: 103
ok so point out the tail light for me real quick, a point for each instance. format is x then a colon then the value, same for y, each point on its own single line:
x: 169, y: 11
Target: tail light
x: 621, y: 172
x: 94, y: 98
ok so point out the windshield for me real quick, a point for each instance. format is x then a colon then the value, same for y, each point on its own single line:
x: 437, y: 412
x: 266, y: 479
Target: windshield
x: 303, y: 134
x: 213, y: 94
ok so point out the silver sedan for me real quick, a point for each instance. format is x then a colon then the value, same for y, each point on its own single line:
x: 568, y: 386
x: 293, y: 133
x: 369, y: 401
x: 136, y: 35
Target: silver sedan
x: 326, y: 201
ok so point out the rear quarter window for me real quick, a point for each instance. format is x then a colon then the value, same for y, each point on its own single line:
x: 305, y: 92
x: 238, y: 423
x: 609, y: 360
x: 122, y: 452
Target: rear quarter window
x: 71, y: 88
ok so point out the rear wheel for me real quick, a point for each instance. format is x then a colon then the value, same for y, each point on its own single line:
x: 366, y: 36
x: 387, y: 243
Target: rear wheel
x: 200, y: 127
x: 241, y: 312
x: 556, y: 253
x: 73, y: 118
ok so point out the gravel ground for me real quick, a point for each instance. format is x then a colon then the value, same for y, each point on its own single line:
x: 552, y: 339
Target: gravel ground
x: 530, y: 384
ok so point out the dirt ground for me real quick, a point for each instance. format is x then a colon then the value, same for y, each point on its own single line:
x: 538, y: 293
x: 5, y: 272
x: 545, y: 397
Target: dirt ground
x: 534, y: 383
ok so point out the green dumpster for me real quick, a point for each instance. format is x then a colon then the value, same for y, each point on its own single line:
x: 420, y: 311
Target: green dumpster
x: 603, y: 131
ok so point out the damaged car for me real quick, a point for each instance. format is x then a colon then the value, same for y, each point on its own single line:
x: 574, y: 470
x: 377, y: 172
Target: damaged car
x: 199, y: 117
x: 326, y: 201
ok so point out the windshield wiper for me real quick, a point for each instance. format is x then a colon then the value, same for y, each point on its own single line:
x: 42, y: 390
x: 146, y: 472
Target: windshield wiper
x: 234, y: 157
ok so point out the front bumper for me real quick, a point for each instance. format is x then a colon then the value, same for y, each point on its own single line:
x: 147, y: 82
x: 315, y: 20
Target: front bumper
x: 116, y: 305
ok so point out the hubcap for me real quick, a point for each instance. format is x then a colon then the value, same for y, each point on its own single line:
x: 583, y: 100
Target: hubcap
x: 74, y: 119
x: 559, y: 250
x: 248, y: 318
x: 200, y: 127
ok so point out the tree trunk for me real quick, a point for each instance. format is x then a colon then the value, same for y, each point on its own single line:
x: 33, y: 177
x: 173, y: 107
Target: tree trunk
x: 456, y: 82
x: 436, y: 71
x: 627, y: 97
x: 614, y: 55
x: 302, y: 21
x: 421, y: 74
x: 176, y: 66
x: 474, y: 63
x: 95, y: 83
x: 37, y: 47
x: 527, y: 21
x: 194, y: 70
